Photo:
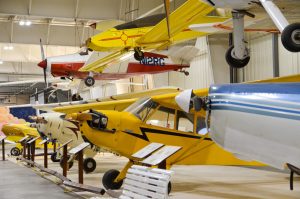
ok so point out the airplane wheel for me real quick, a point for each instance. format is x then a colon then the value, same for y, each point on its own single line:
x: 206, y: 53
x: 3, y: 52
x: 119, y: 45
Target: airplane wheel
x: 186, y: 73
x: 54, y: 157
x: 89, y: 81
x: 15, y: 151
x: 233, y: 62
x: 138, y: 55
x: 108, y: 179
x: 290, y: 37
x: 70, y: 164
x: 89, y: 165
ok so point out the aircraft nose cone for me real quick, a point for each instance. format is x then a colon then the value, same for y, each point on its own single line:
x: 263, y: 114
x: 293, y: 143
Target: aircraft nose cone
x: 43, y: 64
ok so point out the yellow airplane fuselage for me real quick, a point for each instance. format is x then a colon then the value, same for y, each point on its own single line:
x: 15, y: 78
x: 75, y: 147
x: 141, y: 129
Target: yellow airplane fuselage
x: 126, y: 134
x: 114, y: 39
x: 16, y: 132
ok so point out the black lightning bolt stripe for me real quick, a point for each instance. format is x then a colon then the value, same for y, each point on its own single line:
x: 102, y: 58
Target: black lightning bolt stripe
x: 156, y: 131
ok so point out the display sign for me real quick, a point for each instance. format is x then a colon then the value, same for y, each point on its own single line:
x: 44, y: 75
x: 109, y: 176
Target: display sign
x: 150, y: 148
x: 80, y: 147
x: 161, y: 155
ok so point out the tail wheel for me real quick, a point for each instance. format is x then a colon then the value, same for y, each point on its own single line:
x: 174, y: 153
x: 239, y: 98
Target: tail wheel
x: 69, y: 164
x: 54, y: 157
x: 169, y: 187
x: 290, y: 37
x: 108, y: 179
x: 138, y: 55
x: 89, y: 81
x: 15, y: 151
x: 89, y: 165
x: 233, y: 62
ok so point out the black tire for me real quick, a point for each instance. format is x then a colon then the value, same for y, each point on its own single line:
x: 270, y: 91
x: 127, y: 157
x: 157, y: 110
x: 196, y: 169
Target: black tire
x: 70, y: 164
x: 138, y: 55
x: 15, y: 151
x: 290, y: 37
x: 235, y: 63
x: 89, y: 165
x: 108, y: 180
x: 186, y: 73
x: 89, y: 81
x: 54, y: 157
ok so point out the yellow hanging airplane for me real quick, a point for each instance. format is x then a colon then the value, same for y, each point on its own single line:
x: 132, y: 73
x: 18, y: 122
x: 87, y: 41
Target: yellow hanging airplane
x: 155, y: 32
x: 153, y: 120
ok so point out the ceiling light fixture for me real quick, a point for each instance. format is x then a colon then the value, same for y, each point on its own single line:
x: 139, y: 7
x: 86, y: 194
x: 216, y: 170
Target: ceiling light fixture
x: 25, y: 23
x: 8, y: 47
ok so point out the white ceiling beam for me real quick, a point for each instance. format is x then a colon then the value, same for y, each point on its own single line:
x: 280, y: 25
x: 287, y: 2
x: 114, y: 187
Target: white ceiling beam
x: 48, y: 31
x: 29, y: 7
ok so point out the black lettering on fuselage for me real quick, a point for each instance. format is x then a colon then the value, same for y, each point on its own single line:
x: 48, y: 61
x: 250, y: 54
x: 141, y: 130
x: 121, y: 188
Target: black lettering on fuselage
x: 153, y: 61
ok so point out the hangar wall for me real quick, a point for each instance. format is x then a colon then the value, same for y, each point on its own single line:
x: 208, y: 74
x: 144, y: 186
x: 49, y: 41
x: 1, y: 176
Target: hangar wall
x: 200, y: 71
x: 261, y: 63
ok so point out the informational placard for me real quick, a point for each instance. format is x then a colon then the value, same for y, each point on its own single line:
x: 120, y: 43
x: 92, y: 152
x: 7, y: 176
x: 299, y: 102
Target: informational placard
x: 147, y: 150
x: 43, y: 142
x: 80, y: 147
x: 64, y: 144
x: 23, y: 139
x: 161, y: 155
x: 2, y: 137
x: 32, y: 140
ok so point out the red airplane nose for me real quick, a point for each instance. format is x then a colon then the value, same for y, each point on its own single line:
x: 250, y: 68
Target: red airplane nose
x: 43, y: 64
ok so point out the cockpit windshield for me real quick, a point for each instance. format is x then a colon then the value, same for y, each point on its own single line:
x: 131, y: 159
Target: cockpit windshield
x: 142, y: 108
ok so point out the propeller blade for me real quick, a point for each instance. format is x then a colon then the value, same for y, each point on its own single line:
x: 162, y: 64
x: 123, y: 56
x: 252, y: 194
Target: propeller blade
x: 42, y: 50
x: 45, y: 77
x: 167, y: 11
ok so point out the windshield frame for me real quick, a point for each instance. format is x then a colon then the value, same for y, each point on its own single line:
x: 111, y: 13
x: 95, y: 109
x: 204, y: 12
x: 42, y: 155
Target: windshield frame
x: 140, y: 105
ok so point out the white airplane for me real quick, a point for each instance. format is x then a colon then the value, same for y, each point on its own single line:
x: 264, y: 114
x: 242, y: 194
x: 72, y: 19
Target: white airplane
x: 238, y: 55
x: 253, y: 121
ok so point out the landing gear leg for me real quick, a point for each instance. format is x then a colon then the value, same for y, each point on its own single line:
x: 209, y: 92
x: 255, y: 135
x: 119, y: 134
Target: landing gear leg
x: 138, y: 54
x: 237, y: 55
x: 290, y: 34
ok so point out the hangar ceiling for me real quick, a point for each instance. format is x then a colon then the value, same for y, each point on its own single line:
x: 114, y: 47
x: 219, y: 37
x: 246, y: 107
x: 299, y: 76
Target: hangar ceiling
x: 63, y: 25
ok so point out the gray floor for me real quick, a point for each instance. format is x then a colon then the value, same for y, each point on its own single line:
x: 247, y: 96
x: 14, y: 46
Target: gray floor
x: 17, y: 182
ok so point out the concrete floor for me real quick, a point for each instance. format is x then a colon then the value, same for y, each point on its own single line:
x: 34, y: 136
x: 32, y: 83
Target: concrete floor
x: 17, y: 182
x: 188, y: 182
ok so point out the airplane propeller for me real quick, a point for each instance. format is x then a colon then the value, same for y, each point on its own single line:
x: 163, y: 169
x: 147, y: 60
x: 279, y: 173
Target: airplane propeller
x: 43, y: 63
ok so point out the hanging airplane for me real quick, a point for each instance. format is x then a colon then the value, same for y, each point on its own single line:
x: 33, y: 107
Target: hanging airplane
x: 238, y: 55
x: 148, y: 34
x: 69, y: 66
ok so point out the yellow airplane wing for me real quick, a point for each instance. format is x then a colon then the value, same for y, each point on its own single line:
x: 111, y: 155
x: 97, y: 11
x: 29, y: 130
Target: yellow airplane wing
x: 100, y: 64
x: 191, y: 12
x: 118, y: 105
x: 291, y: 78
x: 20, y: 130
x: 115, y: 102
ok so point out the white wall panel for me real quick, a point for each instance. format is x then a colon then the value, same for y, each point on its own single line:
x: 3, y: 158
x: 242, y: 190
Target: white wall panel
x: 261, y: 62
x: 289, y: 63
x: 201, y: 75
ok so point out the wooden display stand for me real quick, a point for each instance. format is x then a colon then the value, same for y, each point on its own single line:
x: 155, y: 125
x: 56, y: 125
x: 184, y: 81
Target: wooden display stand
x: 2, y: 139
x: 79, y: 152
x: 31, y: 148
x: 45, y: 143
x: 23, y: 143
x: 65, y: 156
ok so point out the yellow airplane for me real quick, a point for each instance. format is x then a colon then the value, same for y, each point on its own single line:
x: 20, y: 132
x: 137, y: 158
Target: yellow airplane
x: 156, y: 119
x: 16, y: 132
x: 150, y: 33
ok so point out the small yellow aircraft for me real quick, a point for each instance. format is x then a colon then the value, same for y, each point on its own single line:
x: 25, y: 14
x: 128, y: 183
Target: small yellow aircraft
x: 155, y: 32
x: 155, y: 119
x: 16, y: 132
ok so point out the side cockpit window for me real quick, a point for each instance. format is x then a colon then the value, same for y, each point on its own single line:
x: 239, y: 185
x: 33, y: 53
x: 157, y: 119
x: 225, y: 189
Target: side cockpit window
x: 185, y: 122
x: 163, y: 117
